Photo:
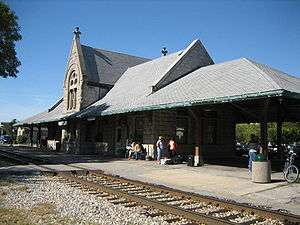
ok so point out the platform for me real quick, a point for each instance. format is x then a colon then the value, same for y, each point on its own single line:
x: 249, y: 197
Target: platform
x: 219, y: 181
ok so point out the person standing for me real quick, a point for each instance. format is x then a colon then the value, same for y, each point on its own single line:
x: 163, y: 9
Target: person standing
x: 159, y: 148
x: 253, y: 148
x: 172, y: 146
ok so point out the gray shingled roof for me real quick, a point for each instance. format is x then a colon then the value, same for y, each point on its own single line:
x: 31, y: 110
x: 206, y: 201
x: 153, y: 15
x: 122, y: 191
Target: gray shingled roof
x: 234, y: 80
x: 283, y: 80
x: 102, y: 67
x: 55, y: 113
x: 105, y: 66
x: 138, y: 81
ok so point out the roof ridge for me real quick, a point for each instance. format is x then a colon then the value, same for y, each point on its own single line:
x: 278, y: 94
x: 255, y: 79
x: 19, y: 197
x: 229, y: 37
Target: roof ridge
x: 158, y: 58
x: 265, y: 75
x: 121, y: 53
x: 277, y: 70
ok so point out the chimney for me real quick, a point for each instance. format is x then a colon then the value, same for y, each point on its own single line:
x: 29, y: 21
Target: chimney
x: 164, y: 51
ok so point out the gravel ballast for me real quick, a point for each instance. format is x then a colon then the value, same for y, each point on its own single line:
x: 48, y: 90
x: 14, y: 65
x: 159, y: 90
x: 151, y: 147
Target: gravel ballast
x: 70, y: 203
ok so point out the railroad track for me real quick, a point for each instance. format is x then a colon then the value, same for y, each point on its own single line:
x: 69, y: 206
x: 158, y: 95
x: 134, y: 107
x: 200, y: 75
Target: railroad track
x: 174, y: 206
x: 18, y: 158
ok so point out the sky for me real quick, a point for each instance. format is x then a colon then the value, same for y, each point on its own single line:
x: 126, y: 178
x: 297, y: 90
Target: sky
x: 265, y: 31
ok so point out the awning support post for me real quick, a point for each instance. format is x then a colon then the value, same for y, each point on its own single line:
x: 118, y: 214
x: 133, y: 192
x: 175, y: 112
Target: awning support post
x: 279, y: 128
x: 198, y: 151
x: 264, y: 129
x: 31, y: 135
x: 39, y: 136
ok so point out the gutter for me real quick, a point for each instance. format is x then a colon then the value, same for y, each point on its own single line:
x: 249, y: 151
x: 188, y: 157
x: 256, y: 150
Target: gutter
x: 207, y: 101
x: 42, y: 121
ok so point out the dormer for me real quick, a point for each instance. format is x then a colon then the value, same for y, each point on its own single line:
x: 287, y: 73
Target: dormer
x: 193, y: 57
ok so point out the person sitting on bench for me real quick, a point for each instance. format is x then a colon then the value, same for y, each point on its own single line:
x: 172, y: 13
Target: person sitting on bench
x: 137, y: 151
x: 130, y: 150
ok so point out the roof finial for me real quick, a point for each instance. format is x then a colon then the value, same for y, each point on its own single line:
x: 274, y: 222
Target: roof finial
x: 77, y: 32
x: 164, y: 51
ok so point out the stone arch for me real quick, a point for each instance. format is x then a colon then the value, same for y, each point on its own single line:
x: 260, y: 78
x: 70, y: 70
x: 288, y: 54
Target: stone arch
x: 72, y: 86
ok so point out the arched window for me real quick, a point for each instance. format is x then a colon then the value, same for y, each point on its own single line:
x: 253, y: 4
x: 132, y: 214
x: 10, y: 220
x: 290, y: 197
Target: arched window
x: 72, y: 93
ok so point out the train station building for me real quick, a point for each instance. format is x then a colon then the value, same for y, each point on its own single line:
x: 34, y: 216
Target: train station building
x: 110, y: 98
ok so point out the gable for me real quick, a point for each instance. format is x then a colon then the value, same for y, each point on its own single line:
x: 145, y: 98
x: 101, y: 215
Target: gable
x: 193, y: 57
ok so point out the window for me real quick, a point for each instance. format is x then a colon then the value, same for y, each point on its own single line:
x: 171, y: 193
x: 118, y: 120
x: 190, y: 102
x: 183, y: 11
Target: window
x: 181, y: 130
x: 89, y: 134
x: 119, y: 134
x: 75, y: 97
x: 210, y: 132
x: 72, y: 93
x: 99, y: 137
x: 139, y: 129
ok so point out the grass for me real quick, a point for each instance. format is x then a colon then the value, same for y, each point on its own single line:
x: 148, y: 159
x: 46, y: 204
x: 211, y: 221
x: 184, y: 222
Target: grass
x: 2, y: 193
x: 14, y: 217
x: 6, y: 182
x: 22, y: 189
x: 39, y: 214
x: 42, y: 213
x: 42, y: 209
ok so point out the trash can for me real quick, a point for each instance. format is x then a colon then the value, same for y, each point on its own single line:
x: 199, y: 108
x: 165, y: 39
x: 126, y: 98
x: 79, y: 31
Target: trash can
x: 261, y: 171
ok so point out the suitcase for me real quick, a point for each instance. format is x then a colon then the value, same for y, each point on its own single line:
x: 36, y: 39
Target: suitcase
x: 190, y: 160
x: 177, y: 159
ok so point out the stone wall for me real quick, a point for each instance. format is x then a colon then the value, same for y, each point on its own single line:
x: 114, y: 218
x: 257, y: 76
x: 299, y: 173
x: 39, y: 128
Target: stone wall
x: 109, y: 134
x: 164, y: 123
x: 225, y: 140
x: 73, y: 65
x: 90, y: 95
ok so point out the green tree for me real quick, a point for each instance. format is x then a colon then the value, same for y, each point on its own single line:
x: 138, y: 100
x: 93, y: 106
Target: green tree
x: 9, y: 34
x: 290, y: 132
x: 244, y: 131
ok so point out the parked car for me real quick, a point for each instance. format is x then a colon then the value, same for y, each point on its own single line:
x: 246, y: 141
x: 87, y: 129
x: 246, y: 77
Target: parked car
x: 5, y: 139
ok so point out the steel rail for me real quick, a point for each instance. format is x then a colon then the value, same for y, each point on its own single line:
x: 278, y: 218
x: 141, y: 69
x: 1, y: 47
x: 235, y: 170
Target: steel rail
x: 197, y: 217
x: 230, y: 205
